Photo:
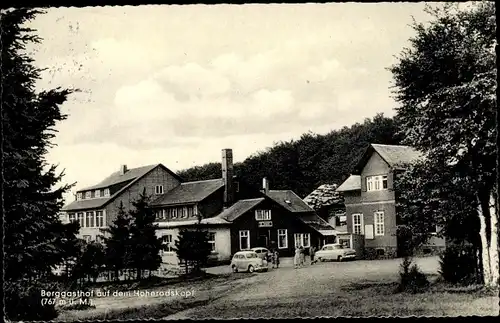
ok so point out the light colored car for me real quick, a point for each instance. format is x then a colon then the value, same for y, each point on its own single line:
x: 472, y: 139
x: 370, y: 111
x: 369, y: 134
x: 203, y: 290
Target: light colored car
x: 248, y: 261
x: 263, y: 253
x: 335, y: 251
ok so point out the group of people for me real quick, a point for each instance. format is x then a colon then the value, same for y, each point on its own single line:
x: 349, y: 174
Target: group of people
x: 274, y: 258
x: 299, y: 260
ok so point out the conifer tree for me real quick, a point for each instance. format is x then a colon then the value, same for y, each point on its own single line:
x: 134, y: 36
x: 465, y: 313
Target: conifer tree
x: 145, y: 245
x: 117, y: 240
x: 35, y: 240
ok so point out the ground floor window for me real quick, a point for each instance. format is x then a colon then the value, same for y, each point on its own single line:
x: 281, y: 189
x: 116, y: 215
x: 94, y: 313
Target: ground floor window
x: 211, y: 240
x: 357, y: 223
x: 81, y: 220
x: 168, y: 242
x: 282, y: 238
x: 379, y: 223
x: 302, y: 240
x: 244, y: 239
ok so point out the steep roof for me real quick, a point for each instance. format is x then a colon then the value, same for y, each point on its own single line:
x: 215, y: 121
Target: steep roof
x: 394, y: 155
x: 131, y: 176
x: 239, y: 208
x: 189, y: 192
x: 289, y: 200
x: 352, y: 183
x: 116, y: 177
x: 324, y: 195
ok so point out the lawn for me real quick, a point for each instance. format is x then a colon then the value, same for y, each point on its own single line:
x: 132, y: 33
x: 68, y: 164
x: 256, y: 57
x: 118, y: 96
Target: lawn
x: 364, y: 299
x: 155, y: 306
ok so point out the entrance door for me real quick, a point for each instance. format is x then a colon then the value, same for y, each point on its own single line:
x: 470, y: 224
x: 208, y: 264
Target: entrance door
x: 263, y: 240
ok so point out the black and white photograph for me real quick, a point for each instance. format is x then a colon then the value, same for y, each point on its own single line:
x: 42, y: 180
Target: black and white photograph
x: 246, y: 161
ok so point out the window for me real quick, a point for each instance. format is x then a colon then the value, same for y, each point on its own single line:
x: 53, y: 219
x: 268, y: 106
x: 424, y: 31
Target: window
x: 211, y: 240
x: 184, y: 212
x: 282, y: 239
x: 174, y: 213
x: 169, y: 245
x: 81, y: 220
x: 90, y: 220
x: 72, y: 217
x: 87, y: 238
x: 357, y: 224
x: 79, y: 196
x: 379, y: 223
x: 97, y: 193
x: 195, y: 210
x: 158, y: 214
x: 159, y: 189
x: 262, y: 215
x: 190, y: 211
x: 88, y: 194
x: 302, y: 240
x: 244, y: 240
x: 376, y: 183
x: 99, y: 219
x: 106, y: 192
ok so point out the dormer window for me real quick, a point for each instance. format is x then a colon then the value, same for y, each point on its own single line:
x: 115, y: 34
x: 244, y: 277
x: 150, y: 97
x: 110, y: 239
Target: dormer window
x: 106, y: 192
x: 263, y: 215
x: 97, y: 193
x: 79, y: 196
x: 159, y: 189
x: 376, y: 183
x: 88, y: 194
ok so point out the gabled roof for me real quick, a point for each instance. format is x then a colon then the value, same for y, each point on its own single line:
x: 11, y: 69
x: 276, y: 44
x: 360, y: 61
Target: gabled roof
x: 116, y: 177
x: 131, y: 176
x: 189, y: 192
x: 394, y: 155
x: 289, y: 200
x: 239, y: 208
x: 324, y: 195
x: 352, y: 183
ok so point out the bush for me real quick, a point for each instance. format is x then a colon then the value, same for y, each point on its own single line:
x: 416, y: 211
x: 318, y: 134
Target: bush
x: 459, y: 265
x: 412, y: 280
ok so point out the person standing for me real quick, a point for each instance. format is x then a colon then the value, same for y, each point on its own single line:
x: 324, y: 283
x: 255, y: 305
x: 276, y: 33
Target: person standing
x: 296, y: 259
x: 312, y: 252
x: 302, y: 256
x: 276, y: 258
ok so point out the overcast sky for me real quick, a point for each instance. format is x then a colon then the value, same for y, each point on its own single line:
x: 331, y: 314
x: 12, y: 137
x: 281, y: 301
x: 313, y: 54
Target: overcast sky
x: 176, y: 84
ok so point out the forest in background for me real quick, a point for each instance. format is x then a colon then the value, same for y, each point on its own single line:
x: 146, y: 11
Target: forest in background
x: 304, y: 164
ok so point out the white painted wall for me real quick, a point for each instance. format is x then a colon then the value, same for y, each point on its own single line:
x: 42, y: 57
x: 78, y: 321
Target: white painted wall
x: 222, y: 244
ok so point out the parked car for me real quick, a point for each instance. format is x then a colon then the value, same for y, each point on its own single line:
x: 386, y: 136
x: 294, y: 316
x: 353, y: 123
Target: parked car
x: 248, y: 261
x: 263, y: 253
x: 335, y: 251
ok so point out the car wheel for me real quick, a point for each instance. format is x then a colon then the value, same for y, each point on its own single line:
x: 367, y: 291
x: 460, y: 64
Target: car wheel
x: 235, y: 270
x: 321, y: 259
x: 339, y: 258
x: 251, y: 269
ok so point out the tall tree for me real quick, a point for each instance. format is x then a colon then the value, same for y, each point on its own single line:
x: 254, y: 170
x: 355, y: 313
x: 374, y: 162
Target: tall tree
x: 117, y: 241
x: 34, y: 239
x: 446, y: 84
x: 145, y: 245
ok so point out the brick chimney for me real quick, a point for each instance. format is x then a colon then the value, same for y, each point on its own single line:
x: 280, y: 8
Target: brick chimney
x: 227, y: 176
x: 265, y: 185
x: 123, y: 169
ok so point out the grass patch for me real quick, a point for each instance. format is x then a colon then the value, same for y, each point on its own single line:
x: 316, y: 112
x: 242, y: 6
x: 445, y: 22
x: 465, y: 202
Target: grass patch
x: 153, y: 311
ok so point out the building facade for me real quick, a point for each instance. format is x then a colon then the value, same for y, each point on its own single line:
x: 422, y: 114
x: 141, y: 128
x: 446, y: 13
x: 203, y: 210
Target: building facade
x: 96, y: 207
x: 370, y: 200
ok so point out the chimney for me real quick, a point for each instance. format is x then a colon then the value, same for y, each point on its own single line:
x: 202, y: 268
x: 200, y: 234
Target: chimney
x: 227, y: 176
x: 265, y: 185
x: 123, y: 169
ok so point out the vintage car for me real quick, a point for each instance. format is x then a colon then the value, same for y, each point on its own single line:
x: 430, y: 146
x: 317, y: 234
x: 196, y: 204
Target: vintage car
x: 335, y: 251
x: 248, y: 261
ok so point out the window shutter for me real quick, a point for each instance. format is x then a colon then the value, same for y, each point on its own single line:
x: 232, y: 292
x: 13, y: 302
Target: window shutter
x: 390, y: 180
x: 363, y: 183
x: 362, y: 221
